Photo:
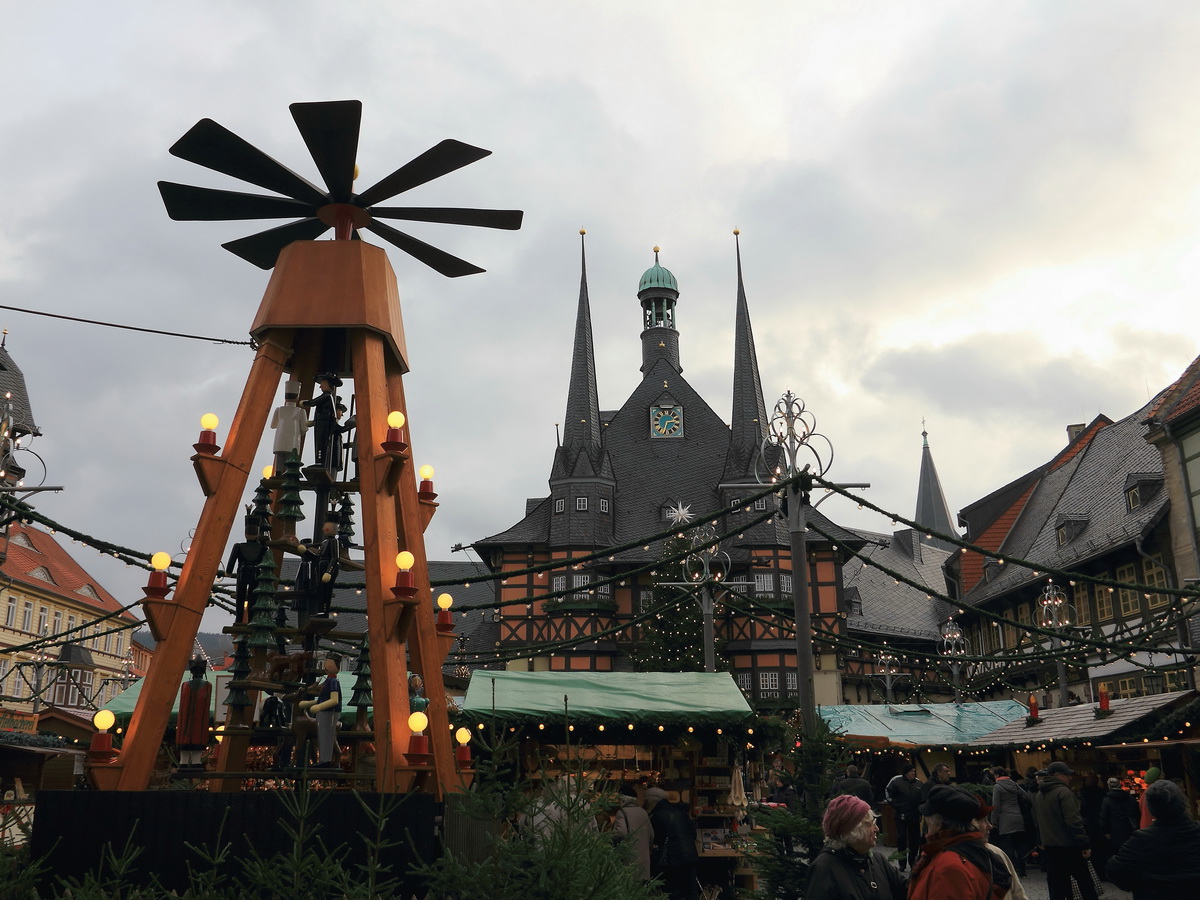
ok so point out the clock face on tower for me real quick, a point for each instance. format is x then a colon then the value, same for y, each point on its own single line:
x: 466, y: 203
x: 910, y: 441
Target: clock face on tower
x: 666, y: 421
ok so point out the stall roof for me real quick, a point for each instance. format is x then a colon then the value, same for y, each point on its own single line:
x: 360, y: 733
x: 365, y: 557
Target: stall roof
x: 922, y: 724
x: 1075, y: 723
x: 641, y: 698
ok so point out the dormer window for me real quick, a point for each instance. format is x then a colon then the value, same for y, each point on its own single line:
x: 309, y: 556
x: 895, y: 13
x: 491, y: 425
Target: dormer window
x: 1069, y: 526
x: 581, y: 504
x: 560, y: 505
x: 1140, y: 487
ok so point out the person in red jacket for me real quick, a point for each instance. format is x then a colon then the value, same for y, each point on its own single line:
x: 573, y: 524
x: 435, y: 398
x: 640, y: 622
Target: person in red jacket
x: 191, y: 723
x: 955, y: 863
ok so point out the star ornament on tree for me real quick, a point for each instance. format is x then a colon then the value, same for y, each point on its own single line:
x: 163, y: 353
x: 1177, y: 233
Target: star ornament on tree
x: 680, y: 514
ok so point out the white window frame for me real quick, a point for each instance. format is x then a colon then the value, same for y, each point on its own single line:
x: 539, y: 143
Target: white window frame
x: 768, y: 680
x: 560, y: 505
x: 764, y: 584
x: 603, y: 505
x: 581, y: 504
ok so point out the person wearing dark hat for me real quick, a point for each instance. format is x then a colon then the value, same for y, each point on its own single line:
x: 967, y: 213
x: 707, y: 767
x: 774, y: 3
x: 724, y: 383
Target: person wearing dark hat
x: 1162, y: 860
x: 191, y: 723
x: 904, y: 796
x: 1119, y: 814
x: 848, y: 866
x: 244, y: 560
x: 324, y: 410
x: 1065, y: 845
x: 320, y: 564
x: 955, y: 863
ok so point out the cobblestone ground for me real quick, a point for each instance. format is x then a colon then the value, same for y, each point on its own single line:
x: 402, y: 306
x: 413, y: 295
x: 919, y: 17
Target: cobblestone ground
x: 1035, y: 883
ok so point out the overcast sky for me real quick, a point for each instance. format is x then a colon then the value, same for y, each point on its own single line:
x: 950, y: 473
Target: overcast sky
x: 980, y: 214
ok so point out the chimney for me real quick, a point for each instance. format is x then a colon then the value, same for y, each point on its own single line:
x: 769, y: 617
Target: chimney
x: 1074, y: 431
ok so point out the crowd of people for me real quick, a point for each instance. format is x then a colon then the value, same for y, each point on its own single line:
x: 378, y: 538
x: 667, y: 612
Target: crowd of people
x: 954, y: 845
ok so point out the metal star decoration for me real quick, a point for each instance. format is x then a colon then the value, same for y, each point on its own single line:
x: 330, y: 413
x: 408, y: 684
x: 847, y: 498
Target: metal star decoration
x: 680, y: 514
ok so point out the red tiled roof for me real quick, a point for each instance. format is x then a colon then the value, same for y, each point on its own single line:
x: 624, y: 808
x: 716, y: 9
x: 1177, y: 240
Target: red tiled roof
x: 67, y: 574
x: 1180, y: 398
x: 992, y: 539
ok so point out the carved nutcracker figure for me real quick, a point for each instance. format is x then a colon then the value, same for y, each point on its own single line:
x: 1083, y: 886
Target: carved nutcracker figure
x: 324, y: 410
x: 191, y: 725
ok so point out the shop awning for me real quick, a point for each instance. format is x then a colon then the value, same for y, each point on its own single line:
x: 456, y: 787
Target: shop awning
x: 1079, y: 723
x: 920, y: 724
x: 616, y: 698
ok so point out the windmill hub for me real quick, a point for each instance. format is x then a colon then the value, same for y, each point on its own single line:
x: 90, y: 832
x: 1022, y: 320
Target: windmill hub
x: 335, y: 214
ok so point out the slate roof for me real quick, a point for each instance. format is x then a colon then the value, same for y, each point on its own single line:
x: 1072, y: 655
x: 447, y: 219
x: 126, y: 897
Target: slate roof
x: 1088, y: 485
x: 1071, y: 723
x: 749, y: 415
x: 13, y: 381
x: 932, y: 510
x: 888, y: 607
x: 67, y: 578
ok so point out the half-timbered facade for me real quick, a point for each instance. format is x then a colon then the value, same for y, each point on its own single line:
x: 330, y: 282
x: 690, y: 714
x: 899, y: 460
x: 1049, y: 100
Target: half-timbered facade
x: 1098, y: 508
x: 621, y: 478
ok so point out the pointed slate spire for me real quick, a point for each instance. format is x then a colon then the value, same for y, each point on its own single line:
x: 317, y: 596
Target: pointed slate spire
x: 581, y: 428
x: 748, y: 423
x: 932, y: 511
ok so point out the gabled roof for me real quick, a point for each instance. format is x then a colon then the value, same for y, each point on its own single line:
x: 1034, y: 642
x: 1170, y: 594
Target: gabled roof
x: 894, y: 608
x: 63, y: 576
x: 1088, y: 484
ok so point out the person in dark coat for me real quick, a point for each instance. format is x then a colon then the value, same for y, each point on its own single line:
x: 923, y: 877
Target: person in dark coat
x: 1119, y: 815
x: 1064, y: 839
x: 855, y: 784
x: 848, y: 867
x: 324, y: 410
x: 939, y: 776
x: 1163, y: 860
x: 1091, y: 798
x: 1009, y: 801
x: 244, y: 560
x: 674, y: 853
x: 904, y: 796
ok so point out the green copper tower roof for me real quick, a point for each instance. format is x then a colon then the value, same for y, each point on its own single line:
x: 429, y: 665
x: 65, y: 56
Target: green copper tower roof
x: 657, y: 277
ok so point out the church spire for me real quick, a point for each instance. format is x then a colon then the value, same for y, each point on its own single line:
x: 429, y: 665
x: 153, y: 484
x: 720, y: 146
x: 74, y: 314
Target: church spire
x: 932, y: 511
x: 581, y: 427
x: 748, y: 422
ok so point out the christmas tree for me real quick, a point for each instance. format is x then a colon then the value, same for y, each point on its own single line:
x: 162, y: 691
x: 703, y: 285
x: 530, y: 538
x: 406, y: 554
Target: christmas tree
x: 672, y: 638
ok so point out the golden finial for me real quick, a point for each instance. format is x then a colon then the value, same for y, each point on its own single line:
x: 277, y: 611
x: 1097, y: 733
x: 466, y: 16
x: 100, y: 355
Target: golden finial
x: 656, y: 248
x: 583, y: 231
x: 737, y: 231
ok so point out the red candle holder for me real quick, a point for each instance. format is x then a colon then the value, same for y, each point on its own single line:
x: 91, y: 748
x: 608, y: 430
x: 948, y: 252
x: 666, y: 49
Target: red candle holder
x: 406, y: 585
x: 394, y: 442
x: 207, y: 444
x: 462, y: 756
x: 100, y: 750
x: 418, y: 750
x: 445, y: 621
x: 425, y: 490
x: 157, y: 586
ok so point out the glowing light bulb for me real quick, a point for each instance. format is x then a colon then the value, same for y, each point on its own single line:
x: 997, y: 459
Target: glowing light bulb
x: 405, y: 560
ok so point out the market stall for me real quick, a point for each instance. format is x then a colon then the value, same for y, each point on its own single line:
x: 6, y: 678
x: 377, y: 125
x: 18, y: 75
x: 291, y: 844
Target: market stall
x: 687, y: 732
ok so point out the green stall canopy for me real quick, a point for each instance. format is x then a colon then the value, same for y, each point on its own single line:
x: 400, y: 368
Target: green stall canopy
x: 921, y: 724
x: 607, y: 698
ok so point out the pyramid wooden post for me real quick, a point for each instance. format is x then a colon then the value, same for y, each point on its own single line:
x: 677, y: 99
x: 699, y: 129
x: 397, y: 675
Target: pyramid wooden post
x: 322, y: 297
